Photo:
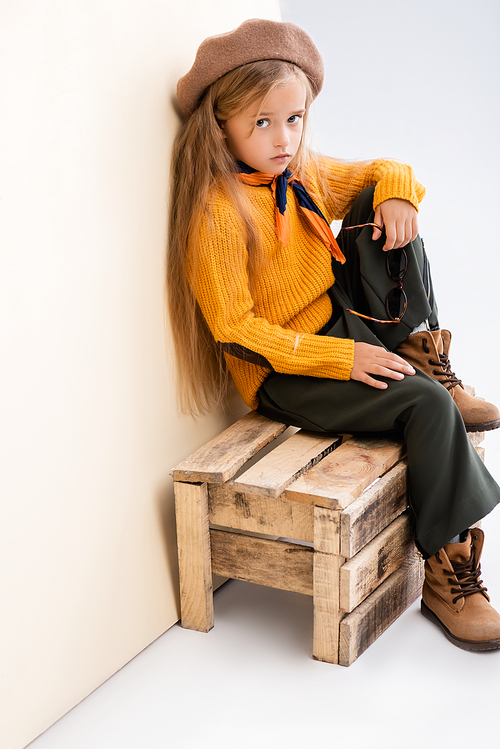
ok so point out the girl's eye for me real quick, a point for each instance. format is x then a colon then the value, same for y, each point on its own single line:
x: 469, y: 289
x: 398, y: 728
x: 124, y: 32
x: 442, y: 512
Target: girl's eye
x: 262, y: 123
x: 294, y: 118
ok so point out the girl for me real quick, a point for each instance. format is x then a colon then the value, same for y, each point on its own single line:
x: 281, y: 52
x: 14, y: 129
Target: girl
x: 327, y: 334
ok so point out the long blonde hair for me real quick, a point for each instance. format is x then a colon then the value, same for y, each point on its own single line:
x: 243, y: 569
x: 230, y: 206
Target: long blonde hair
x: 201, y: 160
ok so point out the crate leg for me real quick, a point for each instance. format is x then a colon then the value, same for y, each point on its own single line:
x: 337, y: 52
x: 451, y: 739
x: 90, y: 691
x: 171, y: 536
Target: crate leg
x: 326, y: 574
x: 193, y: 548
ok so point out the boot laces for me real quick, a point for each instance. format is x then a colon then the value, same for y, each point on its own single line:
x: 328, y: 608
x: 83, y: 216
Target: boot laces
x: 445, y: 374
x: 467, y: 576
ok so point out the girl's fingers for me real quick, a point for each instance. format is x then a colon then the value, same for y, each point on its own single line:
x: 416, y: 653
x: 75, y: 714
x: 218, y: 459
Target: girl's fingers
x: 414, y: 229
x: 398, y: 235
x: 403, y: 364
x: 377, y: 220
x: 375, y: 383
x: 393, y: 374
x: 399, y: 218
x: 374, y: 361
x: 393, y: 363
x: 381, y: 372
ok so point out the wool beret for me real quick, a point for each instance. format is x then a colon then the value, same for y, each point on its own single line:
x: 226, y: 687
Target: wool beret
x: 256, y: 39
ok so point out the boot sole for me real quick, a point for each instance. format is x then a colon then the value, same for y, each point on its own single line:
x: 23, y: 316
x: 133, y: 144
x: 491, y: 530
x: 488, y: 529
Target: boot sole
x: 486, y: 427
x: 470, y: 645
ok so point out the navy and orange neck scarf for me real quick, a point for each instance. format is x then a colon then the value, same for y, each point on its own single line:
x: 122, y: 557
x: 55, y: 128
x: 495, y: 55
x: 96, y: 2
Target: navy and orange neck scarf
x: 278, y: 184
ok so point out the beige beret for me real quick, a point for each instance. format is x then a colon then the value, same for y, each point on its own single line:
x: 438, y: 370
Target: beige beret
x: 256, y: 39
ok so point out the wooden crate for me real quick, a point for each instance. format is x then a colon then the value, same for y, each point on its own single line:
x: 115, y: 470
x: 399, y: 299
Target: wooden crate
x: 331, y: 518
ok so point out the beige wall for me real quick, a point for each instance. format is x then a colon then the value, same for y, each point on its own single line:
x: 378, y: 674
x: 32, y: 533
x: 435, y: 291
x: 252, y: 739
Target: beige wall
x: 89, y: 424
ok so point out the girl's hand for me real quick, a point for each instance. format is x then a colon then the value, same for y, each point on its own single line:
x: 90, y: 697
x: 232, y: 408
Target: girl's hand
x: 399, y: 218
x: 375, y: 360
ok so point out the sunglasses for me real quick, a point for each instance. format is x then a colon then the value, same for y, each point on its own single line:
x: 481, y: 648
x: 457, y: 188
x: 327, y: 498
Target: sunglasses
x: 396, y: 300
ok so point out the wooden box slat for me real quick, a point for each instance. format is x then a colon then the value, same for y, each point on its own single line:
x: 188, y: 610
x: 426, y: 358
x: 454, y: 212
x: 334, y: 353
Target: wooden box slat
x: 380, y: 558
x: 193, y: 548
x: 270, y: 476
x: 326, y: 562
x: 476, y: 437
x: 340, y: 478
x: 221, y: 458
x: 360, y: 629
x: 277, y: 564
x: 250, y: 512
x: 374, y: 510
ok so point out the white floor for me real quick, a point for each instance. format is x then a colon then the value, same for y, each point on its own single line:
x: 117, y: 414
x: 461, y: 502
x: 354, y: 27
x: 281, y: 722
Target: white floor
x: 251, y: 682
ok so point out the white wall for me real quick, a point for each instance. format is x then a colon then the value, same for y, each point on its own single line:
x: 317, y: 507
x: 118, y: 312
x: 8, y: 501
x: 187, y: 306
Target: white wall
x: 89, y: 424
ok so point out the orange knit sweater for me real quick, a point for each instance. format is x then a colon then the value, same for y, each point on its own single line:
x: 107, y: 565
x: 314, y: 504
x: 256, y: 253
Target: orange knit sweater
x: 289, y: 301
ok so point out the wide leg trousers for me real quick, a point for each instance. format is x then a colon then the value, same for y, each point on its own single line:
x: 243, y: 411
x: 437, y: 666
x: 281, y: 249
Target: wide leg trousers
x: 449, y: 487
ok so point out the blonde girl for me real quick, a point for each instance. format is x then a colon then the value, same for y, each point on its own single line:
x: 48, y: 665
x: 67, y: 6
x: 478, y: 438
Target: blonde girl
x: 329, y: 334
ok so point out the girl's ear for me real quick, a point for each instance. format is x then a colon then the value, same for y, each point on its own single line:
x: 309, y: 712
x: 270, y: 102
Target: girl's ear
x: 221, y: 125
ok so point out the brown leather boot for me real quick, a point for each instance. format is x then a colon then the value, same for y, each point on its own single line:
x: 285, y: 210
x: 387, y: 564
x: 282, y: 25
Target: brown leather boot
x: 454, y: 598
x: 429, y: 351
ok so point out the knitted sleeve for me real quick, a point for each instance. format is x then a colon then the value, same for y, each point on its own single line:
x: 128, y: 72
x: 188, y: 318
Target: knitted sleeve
x: 347, y: 179
x: 221, y: 286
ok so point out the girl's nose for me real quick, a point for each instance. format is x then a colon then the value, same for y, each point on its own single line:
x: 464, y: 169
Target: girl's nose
x: 282, y: 137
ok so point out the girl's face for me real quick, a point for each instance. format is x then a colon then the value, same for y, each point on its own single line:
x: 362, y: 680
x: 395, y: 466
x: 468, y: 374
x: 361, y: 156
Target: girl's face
x: 268, y: 140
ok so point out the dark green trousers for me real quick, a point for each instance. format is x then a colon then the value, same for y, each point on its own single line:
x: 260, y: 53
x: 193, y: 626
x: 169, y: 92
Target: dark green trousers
x: 450, y: 488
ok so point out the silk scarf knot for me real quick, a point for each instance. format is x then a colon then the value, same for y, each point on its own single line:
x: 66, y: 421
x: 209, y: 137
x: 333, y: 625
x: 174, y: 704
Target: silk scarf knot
x: 278, y: 184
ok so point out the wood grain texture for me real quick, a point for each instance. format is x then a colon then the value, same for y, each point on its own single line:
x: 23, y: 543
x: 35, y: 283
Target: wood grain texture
x: 370, y: 619
x: 279, y: 468
x: 193, y: 548
x: 340, y: 478
x: 374, y: 510
x: 327, y: 564
x: 476, y: 437
x: 250, y: 512
x: 375, y: 563
x: 277, y: 564
x: 221, y: 458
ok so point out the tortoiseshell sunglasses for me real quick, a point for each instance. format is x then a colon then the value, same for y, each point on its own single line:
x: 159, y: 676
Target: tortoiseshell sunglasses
x: 396, y: 300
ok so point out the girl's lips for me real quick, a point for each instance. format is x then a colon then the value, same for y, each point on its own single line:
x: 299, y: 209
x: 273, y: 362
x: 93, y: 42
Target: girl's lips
x: 281, y: 157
